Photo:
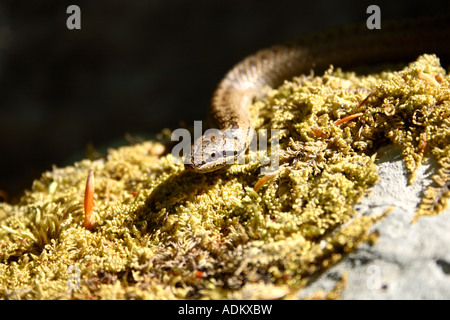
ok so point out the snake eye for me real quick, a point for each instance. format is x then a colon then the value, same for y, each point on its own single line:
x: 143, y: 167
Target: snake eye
x: 213, y: 154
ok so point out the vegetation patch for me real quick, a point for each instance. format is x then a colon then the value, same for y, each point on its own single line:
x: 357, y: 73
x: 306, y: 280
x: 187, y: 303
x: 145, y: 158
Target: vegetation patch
x: 163, y: 233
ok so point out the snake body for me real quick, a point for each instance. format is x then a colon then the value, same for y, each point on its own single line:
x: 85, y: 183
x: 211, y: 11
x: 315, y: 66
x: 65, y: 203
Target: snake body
x: 343, y: 47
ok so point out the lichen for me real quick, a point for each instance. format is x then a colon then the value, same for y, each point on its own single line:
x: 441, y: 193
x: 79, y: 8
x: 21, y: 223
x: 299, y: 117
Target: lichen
x: 164, y: 233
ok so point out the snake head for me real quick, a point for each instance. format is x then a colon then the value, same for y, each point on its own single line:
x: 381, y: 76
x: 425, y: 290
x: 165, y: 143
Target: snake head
x: 216, y: 149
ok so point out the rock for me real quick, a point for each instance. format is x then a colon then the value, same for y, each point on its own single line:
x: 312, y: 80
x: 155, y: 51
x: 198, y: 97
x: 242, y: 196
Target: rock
x: 409, y: 260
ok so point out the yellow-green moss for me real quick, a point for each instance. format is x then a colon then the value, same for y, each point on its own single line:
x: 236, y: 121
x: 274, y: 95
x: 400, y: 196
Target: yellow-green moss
x: 163, y: 233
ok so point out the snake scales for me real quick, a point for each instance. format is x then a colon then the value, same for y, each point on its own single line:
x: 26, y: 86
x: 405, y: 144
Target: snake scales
x: 344, y: 47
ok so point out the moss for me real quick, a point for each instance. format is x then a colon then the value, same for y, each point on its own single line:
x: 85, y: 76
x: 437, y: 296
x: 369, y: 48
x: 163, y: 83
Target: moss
x: 163, y: 233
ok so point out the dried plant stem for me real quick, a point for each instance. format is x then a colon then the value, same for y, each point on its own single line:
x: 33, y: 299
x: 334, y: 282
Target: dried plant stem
x: 346, y: 119
x: 89, y: 201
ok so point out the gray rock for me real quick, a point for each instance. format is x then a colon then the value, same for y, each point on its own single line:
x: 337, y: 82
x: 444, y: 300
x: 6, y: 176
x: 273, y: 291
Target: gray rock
x: 409, y: 260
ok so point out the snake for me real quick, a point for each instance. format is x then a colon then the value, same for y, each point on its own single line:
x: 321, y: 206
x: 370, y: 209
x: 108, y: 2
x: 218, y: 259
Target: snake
x: 344, y: 47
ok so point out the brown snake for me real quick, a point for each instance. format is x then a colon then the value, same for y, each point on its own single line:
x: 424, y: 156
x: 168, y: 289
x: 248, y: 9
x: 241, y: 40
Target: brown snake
x: 343, y: 47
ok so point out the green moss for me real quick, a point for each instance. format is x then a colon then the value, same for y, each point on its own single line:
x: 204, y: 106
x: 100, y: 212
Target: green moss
x: 163, y: 233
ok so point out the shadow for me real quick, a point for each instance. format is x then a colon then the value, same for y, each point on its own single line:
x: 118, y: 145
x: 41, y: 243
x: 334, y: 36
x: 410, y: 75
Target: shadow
x: 389, y: 153
x: 176, y: 191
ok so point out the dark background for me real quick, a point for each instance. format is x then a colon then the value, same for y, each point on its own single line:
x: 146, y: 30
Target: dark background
x: 135, y: 67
